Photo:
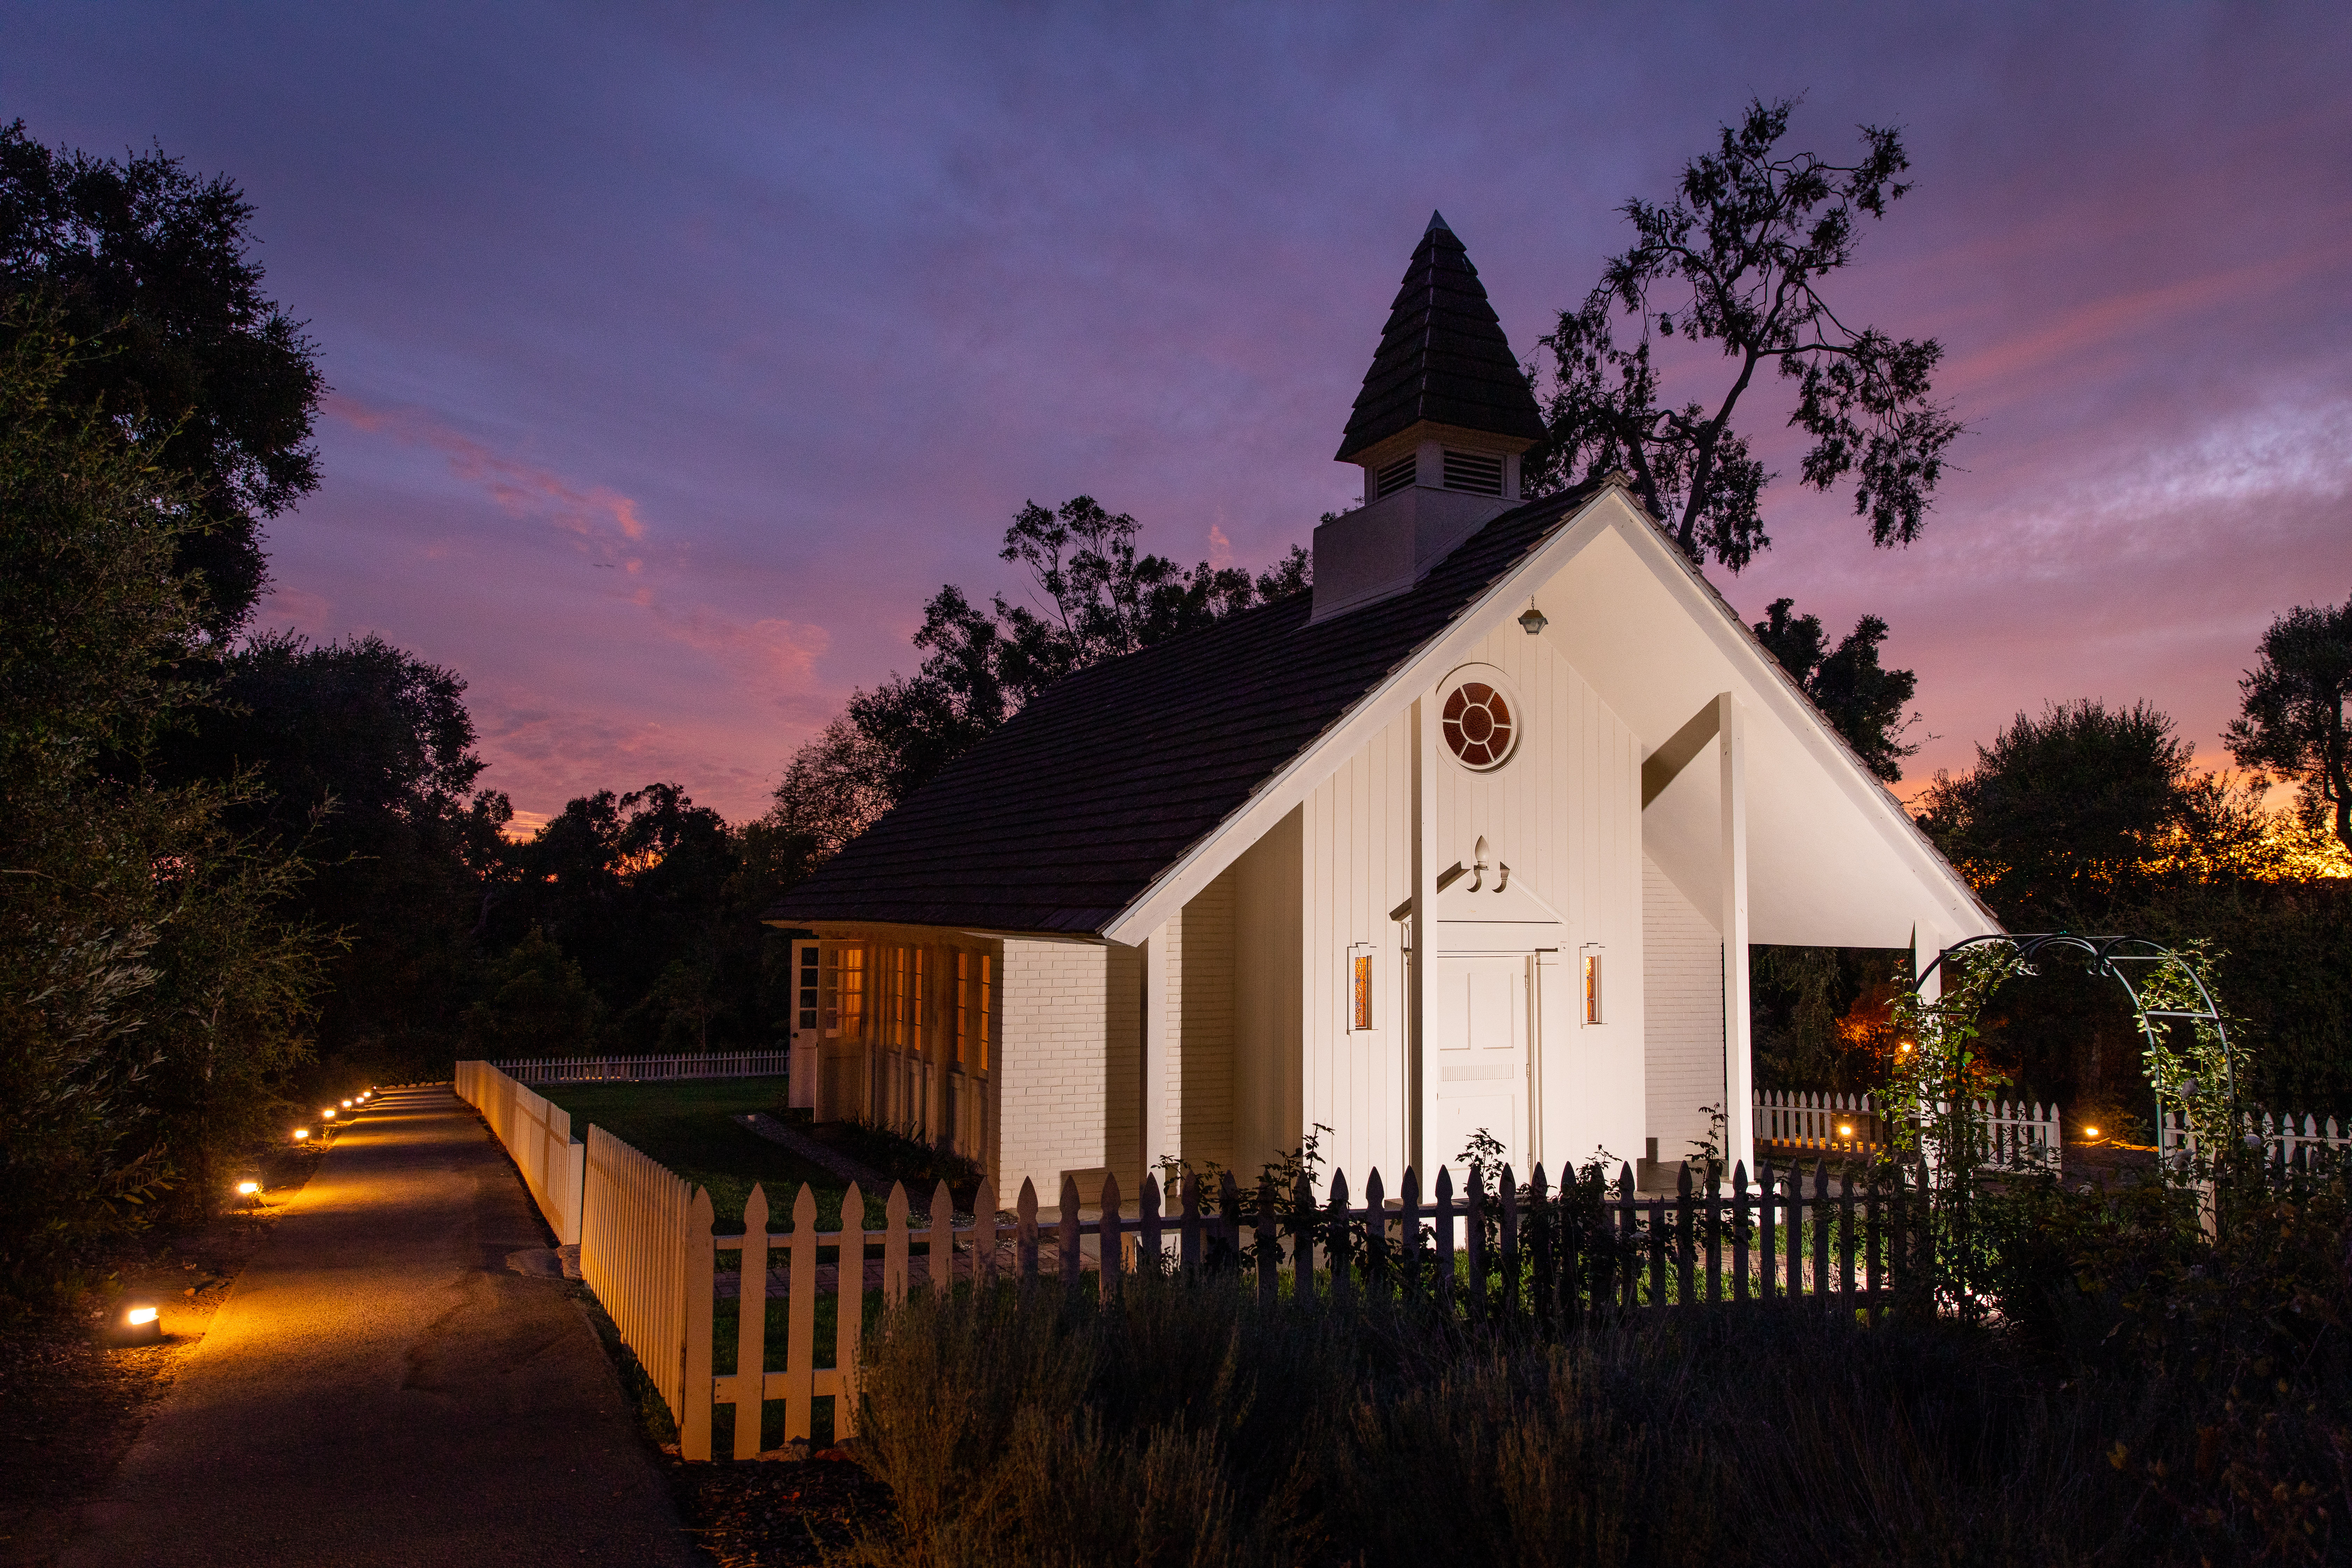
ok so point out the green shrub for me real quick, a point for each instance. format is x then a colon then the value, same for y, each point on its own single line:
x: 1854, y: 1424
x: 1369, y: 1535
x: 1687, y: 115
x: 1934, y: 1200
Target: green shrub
x: 1184, y: 1425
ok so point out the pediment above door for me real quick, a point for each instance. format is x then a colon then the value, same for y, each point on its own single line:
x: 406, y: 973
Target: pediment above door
x: 1486, y: 891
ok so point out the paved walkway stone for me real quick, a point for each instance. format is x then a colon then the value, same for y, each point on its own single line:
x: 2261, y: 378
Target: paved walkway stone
x: 383, y: 1388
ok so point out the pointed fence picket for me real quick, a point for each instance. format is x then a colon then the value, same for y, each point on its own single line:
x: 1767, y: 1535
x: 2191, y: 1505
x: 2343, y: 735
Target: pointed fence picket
x: 1554, y: 1256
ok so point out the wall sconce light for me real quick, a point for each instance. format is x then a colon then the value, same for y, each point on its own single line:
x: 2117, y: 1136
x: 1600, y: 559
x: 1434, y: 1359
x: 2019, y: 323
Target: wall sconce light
x: 1532, y: 620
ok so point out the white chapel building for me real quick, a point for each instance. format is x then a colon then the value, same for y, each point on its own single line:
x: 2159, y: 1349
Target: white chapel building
x: 1472, y: 835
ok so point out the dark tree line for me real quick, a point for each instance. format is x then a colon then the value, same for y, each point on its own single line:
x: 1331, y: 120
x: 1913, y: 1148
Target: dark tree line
x: 2095, y: 819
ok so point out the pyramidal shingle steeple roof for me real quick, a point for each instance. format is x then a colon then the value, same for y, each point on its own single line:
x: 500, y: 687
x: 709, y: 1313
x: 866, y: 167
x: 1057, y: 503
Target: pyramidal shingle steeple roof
x: 1444, y: 357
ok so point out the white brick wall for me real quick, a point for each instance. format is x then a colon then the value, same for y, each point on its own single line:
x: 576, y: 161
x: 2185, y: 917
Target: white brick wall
x: 1068, y: 1065
x: 1682, y: 1001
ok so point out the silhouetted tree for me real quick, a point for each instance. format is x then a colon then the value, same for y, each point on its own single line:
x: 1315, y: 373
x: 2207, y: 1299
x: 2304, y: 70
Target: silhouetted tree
x: 153, y: 995
x: 1864, y: 701
x: 1097, y: 599
x: 2292, y: 721
x: 150, y: 266
x: 2070, y: 814
x: 365, y: 754
x: 1737, y: 258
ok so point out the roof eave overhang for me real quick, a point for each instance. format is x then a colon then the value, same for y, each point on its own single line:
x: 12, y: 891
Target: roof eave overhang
x: 1612, y: 509
x: 1286, y: 787
x: 1775, y: 687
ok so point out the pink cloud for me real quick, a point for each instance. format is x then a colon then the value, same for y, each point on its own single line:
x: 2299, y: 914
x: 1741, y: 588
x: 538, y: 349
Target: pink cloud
x: 2132, y: 315
x: 1221, y: 549
x: 521, y: 489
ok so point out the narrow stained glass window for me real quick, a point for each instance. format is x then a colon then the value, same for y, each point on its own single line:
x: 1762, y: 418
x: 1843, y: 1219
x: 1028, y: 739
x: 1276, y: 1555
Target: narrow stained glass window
x: 1360, y: 982
x: 1593, y: 988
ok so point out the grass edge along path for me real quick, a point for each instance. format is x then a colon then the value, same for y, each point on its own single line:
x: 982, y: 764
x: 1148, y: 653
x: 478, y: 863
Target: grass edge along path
x: 689, y: 1126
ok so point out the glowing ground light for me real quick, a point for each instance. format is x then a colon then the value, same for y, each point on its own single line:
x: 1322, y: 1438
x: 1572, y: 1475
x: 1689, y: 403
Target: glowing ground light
x: 2090, y: 1132
x: 246, y: 1189
x: 347, y: 1105
x: 1845, y: 1131
x: 300, y: 1133
x: 328, y: 1113
x: 140, y: 1324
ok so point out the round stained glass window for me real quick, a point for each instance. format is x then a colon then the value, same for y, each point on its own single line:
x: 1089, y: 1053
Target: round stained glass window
x: 1478, y: 724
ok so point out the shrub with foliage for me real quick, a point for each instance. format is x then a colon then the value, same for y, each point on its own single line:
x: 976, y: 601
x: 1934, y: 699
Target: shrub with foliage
x: 151, y: 995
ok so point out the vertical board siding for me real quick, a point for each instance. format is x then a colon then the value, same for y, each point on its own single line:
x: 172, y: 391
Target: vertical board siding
x: 1681, y: 989
x: 1357, y: 862
x: 1565, y: 814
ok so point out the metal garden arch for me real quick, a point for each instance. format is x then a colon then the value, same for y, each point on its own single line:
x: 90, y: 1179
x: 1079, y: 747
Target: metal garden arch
x: 2121, y: 958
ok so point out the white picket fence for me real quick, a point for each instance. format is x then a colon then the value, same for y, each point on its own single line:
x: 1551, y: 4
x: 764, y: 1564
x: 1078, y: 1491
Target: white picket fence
x: 634, y: 1254
x: 2020, y: 1135
x: 1806, y: 1119
x: 2284, y: 1138
x: 538, y: 1134
x: 646, y: 1070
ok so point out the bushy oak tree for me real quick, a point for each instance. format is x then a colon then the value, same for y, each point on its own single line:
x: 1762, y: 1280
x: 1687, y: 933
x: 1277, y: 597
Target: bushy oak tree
x: 153, y: 995
x: 2292, y: 720
x: 153, y: 265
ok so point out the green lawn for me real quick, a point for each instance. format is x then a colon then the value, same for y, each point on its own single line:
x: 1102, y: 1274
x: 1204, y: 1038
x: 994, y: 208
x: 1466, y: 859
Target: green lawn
x: 686, y: 1125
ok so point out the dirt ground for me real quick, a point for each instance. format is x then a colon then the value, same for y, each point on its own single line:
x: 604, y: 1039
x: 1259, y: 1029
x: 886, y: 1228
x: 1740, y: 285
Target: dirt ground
x: 75, y: 1404
x: 778, y: 1514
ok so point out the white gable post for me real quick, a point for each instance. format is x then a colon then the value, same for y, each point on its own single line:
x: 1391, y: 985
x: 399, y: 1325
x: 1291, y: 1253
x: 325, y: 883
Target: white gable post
x: 1738, y: 1075
x: 1164, y: 1068
x: 1926, y: 943
x: 1419, y: 928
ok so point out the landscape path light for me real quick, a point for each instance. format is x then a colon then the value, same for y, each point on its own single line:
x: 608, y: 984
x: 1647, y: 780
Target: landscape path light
x: 137, y: 1321
x: 327, y: 1113
x: 300, y: 1133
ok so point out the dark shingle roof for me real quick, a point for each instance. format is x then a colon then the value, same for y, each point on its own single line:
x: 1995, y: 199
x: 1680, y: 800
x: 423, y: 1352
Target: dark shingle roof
x: 1444, y: 356
x: 1061, y: 819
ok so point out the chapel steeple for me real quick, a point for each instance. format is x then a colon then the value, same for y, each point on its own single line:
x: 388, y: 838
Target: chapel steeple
x: 1444, y: 369
x: 1438, y: 428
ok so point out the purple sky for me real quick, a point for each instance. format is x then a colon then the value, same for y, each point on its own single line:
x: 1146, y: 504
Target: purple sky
x: 679, y: 354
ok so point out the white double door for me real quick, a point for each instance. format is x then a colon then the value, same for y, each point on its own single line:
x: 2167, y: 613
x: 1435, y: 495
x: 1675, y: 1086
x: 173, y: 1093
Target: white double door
x: 1483, y: 1067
